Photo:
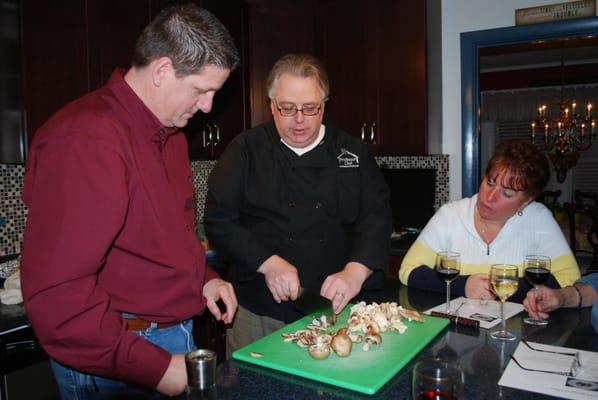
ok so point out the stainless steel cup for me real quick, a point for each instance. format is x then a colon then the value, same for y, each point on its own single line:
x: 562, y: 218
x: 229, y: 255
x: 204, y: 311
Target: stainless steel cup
x: 201, y: 369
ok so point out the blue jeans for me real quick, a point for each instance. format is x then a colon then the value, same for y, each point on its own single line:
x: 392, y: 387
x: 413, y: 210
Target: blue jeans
x: 75, y: 385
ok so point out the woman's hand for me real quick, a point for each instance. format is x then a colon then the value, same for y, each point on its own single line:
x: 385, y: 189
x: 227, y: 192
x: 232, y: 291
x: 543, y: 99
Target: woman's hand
x: 478, y: 287
x: 538, y: 303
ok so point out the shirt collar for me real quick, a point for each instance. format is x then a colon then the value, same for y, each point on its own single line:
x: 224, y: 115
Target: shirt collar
x: 137, y: 109
x: 302, y: 150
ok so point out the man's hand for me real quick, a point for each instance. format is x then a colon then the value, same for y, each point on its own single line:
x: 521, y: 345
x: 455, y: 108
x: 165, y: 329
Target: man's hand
x: 478, y: 287
x: 538, y: 303
x: 342, y: 286
x: 174, y: 380
x: 281, y: 277
x: 218, y: 289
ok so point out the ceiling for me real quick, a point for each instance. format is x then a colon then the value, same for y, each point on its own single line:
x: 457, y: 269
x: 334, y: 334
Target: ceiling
x: 539, y: 54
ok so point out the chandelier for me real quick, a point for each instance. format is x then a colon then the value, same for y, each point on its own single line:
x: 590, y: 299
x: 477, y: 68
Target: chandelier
x: 572, y: 131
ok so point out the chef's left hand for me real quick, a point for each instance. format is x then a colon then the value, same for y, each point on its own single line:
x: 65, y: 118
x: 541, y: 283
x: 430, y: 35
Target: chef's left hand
x: 218, y: 289
x: 342, y: 286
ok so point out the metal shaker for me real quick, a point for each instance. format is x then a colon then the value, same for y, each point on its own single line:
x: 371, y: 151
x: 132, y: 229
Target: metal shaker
x: 201, y: 369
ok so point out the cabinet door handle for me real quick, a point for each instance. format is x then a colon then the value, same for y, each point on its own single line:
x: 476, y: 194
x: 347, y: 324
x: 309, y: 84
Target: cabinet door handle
x: 217, y: 141
x: 203, y: 135
x: 209, y: 134
x: 363, y: 132
x: 372, y: 133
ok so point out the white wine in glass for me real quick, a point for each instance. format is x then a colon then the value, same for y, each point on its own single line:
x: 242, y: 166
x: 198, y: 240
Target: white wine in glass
x: 448, y: 266
x: 537, y: 272
x: 504, y: 281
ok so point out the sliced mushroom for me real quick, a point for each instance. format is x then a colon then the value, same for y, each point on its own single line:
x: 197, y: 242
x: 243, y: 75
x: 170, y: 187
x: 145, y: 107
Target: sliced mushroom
x: 370, y: 339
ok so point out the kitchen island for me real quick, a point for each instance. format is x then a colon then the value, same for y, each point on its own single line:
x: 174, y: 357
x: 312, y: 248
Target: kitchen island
x: 481, y: 357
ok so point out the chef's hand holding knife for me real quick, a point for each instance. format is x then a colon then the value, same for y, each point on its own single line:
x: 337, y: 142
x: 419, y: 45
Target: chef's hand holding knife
x: 281, y: 278
x: 342, y: 286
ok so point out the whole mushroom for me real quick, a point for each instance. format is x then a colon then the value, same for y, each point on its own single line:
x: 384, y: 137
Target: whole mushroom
x: 341, y: 343
x: 319, y: 351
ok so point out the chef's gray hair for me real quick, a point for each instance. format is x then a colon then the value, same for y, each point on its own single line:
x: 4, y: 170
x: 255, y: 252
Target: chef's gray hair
x: 190, y: 36
x: 302, y: 65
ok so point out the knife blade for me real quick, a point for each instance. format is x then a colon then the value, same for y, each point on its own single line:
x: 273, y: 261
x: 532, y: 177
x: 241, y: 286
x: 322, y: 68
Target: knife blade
x: 310, y: 302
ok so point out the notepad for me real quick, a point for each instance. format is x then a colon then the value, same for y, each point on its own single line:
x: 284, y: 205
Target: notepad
x: 487, y: 312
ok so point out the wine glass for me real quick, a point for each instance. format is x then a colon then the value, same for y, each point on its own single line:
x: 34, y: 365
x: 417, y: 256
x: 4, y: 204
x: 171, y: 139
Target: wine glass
x: 504, y: 282
x: 537, y: 272
x: 448, y: 265
x: 435, y: 378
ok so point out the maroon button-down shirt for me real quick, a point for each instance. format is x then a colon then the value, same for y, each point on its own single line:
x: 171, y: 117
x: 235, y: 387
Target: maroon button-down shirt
x: 110, y: 229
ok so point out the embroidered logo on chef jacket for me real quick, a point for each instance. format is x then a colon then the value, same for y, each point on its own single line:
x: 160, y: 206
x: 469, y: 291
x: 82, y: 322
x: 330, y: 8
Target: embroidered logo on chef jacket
x: 347, y: 159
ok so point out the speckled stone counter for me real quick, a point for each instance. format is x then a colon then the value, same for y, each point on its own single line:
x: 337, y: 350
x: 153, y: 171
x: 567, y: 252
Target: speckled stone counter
x: 482, y: 358
x: 12, y: 318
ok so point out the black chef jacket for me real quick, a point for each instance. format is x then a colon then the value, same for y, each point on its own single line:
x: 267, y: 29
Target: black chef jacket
x: 318, y: 211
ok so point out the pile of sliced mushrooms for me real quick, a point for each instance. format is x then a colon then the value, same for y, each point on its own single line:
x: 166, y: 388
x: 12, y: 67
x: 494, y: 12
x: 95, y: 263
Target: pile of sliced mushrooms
x: 365, y: 324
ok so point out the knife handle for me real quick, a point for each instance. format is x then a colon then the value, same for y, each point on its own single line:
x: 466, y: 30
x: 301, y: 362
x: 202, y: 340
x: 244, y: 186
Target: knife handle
x: 462, y: 321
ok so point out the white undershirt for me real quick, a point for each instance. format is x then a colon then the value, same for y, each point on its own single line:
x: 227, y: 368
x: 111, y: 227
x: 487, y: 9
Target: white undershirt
x: 302, y: 150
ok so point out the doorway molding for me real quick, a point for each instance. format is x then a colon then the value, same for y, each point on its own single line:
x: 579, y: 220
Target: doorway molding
x: 471, y: 43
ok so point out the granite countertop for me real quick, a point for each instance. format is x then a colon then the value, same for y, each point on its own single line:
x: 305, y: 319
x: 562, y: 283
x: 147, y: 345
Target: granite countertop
x: 12, y: 318
x: 482, y: 358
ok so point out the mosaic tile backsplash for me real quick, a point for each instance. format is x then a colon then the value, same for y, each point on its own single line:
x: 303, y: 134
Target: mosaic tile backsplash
x: 13, y: 212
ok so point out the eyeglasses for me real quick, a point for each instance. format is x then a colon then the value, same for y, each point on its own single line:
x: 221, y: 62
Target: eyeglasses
x: 573, y: 370
x: 290, y: 110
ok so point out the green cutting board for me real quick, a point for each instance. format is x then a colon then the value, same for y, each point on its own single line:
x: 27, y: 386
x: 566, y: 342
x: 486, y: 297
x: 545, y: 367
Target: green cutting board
x: 361, y: 371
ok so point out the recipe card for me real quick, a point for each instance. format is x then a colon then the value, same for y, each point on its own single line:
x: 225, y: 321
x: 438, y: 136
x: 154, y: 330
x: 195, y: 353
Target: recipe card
x: 487, y: 312
x: 545, y: 369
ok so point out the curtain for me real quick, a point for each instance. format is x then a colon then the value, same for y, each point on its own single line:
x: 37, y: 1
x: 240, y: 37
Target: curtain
x: 522, y: 104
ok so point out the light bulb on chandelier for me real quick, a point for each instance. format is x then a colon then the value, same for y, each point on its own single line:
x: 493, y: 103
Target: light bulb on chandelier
x: 567, y: 134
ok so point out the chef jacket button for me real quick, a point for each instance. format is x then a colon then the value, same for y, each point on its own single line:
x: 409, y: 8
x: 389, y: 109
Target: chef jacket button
x: 291, y: 238
x: 318, y: 205
x: 291, y: 204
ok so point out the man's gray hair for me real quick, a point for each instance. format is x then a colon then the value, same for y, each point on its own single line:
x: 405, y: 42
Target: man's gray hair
x: 190, y: 36
x: 301, y: 65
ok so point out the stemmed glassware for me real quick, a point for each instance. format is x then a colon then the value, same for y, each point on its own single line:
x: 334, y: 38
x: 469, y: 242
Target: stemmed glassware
x: 504, y: 280
x: 448, y: 266
x: 537, y: 272
x: 437, y: 379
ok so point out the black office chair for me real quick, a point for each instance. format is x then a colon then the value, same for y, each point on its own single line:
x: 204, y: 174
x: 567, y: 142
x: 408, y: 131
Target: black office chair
x: 583, y: 219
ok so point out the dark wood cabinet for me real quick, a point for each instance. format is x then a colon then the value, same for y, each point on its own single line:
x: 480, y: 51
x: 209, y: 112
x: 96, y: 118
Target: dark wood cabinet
x: 375, y: 54
x: 276, y: 28
x: 55, y: 58
x: 208, y: 134
x: 71, y: 48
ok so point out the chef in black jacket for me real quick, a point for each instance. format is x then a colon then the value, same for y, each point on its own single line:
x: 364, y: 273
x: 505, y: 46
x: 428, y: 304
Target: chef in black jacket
x: 296, y: 204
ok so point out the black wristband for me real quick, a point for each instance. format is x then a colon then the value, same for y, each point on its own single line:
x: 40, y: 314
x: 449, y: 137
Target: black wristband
x: 579, y: 295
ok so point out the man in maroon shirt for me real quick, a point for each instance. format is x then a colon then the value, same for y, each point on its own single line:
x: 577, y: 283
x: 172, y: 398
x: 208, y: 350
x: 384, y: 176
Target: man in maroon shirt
x: 112, y: 270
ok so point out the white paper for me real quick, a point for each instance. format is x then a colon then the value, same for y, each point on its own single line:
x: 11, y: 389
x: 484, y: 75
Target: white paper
x: 583, y: 386
x: 487, y: 312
